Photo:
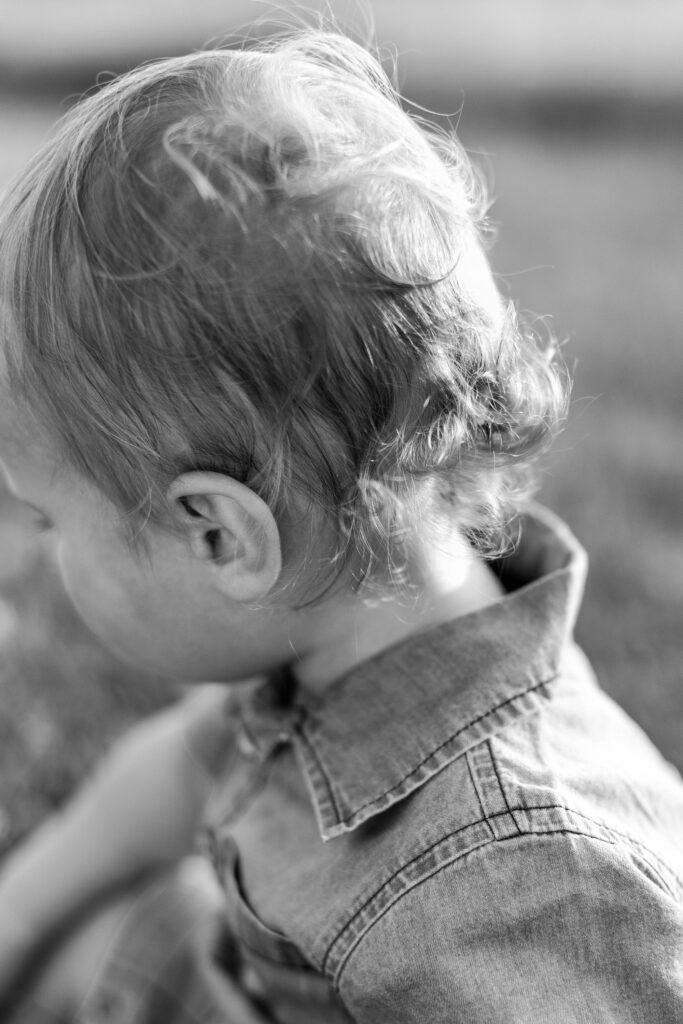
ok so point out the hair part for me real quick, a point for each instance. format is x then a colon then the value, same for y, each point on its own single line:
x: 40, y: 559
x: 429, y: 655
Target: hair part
x: 255, y: 262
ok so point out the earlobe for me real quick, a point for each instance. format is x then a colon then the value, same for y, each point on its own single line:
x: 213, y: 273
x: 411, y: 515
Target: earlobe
x: 231, y: 530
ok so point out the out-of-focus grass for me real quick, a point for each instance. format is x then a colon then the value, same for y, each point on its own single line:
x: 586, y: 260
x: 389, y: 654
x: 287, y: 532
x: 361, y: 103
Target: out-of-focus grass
x: 601, y: 220
x: 591, y: 233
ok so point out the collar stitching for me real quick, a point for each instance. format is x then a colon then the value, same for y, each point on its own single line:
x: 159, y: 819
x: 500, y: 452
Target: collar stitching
x: 324, y: 775
x: 449, y: 739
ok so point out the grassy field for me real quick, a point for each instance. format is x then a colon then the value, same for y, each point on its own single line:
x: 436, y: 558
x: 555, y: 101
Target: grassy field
x: 601, y: 220
x: 591, y: 241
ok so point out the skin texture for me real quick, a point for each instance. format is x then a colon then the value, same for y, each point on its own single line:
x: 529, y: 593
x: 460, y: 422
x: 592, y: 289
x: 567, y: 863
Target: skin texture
x: 200, y: 603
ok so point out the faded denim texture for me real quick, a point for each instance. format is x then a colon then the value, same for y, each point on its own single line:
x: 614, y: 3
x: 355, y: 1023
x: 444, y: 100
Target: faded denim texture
x: 463, y: 829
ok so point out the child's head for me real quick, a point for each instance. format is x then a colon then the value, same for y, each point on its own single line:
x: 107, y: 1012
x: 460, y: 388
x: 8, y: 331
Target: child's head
x: 255, y: 266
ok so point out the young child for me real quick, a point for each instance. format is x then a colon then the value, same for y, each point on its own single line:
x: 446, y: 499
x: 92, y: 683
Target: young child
x: 259, y: 385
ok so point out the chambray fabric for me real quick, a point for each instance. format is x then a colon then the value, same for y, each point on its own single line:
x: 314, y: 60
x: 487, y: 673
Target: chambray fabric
x: 463, y: 829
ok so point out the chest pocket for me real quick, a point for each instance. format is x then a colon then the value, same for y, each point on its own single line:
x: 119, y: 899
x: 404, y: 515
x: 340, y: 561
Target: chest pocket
x: 271, y: 969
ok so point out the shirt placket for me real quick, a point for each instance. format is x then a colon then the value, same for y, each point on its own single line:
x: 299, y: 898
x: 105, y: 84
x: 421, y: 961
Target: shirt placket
x: 259, y: 732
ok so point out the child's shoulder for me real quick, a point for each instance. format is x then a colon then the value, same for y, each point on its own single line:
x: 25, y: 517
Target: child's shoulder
x: 491, y: 728
x: 461, y: 807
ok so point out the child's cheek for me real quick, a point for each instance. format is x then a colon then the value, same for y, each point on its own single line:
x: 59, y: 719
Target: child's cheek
x: 96, y: 590
x: 125, y: 608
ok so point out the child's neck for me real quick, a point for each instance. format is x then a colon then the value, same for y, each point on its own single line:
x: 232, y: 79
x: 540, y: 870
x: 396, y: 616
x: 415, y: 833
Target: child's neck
x: 348, y: 630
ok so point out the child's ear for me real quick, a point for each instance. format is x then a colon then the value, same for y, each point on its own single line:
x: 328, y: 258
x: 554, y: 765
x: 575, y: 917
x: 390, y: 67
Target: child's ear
x: 231, y: 529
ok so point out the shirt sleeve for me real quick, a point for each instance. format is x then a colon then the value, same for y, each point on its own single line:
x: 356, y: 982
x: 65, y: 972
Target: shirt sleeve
x: 538, y: 928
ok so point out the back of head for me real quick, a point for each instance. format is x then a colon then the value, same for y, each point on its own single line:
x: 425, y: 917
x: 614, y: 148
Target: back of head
x: 255, y: 262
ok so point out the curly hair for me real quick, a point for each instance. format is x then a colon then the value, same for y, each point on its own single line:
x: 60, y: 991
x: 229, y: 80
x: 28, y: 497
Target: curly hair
x: 257, y: 262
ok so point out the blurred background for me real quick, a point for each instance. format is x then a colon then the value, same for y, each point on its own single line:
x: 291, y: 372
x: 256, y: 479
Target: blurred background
x: 575, y: 112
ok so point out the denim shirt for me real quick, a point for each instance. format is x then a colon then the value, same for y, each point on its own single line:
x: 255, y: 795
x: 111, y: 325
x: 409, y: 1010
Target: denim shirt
x: 463, y: 828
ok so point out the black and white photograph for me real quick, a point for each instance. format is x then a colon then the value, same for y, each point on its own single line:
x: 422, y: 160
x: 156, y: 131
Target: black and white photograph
x: 341, y: 512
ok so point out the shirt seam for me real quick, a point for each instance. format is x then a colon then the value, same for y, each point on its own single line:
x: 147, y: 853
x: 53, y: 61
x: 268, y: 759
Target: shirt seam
x: 559, y: 830
x: 388, y: 881
x: 653, y: 861
x: 475, y: 787
x: 337, y: 978
x: 661, y: 870
x: 397, y: 785
x: 496, y: 772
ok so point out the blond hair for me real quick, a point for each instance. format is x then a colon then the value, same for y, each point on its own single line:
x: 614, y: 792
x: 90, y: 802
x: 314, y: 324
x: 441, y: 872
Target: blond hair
x: 256, y: 262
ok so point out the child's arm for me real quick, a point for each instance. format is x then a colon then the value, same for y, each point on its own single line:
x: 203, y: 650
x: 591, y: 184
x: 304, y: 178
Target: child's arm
x: 140, y: 811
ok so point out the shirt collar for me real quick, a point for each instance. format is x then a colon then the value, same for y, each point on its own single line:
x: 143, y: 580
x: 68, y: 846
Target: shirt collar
x: 391, y: 723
